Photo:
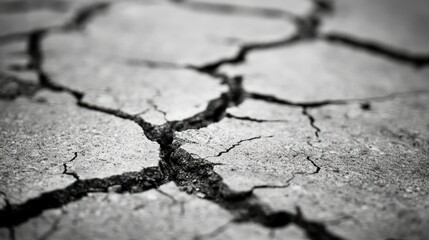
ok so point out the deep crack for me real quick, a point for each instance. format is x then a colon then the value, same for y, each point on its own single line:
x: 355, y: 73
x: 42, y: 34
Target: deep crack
x: 143, y: 180
x: 314, y: 164
x: 194, y: 175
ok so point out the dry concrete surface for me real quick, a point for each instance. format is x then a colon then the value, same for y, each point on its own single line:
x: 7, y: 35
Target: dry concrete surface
x: 214, y: 119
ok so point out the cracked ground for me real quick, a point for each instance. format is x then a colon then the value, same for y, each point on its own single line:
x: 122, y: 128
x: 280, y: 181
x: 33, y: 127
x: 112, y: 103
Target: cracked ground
x: 214, y: 119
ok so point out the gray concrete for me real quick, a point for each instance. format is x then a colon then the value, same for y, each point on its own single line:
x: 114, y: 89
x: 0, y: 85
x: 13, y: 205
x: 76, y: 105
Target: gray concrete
x: 207, y: 119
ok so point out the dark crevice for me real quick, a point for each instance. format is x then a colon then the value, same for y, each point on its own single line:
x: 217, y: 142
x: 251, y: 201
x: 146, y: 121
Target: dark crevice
x: 197, y: 175
x: 245, y: 49
x: 312, y: 121
x: 35, y: 53
x: 269, y: 186
x: 309, y: 104
x: 314, y: 164
x: 131, y: 182
x: 66, y: 172
x: 308, y: 29
x: 55, y: 225
x: 191, y: 174
x: 377, y: 48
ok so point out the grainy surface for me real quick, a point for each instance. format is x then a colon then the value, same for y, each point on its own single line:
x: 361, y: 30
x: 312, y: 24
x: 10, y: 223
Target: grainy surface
x: 207, y: 119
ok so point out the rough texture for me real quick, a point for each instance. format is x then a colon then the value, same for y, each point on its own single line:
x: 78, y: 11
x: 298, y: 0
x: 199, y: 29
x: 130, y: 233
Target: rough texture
x: 364, y: 171
x: 269, y: 145
x: 164, y: 214
x: 210, y: 119
x: 40, y: 137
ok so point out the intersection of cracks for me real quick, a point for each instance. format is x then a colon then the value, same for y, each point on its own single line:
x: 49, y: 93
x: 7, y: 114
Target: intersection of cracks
x: 177, y: 165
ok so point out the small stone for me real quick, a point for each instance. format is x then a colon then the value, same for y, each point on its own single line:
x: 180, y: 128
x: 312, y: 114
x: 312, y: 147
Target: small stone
x: 201, y: 195
x: 115, y: 188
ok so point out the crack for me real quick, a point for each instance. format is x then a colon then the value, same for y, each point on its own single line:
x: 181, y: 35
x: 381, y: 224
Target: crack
x: 190, y: 173
x: 34, y: 49
x: 157, y: 109
x: 198, y: 174
x: 250, y: 119
x: 274, y: 99
x: 85, y: 15
x: 377, y: 48
x: 312, y: 121
x: 244, y: 50
x: 269, y: 186
x: 308, y: 29
x: 72, y: 173
x: 314, y: 164
x: 132, y: 182
x: 238, y: 144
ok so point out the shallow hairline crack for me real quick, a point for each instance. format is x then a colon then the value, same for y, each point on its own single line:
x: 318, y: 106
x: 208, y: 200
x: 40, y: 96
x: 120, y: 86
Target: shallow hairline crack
x: 314, y: 164
x: 174, y: 201
x: 53, y: 228
x: 238, y: 144
x: 73, y: 174
x: 312, y: 120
